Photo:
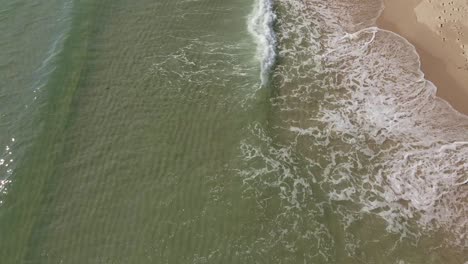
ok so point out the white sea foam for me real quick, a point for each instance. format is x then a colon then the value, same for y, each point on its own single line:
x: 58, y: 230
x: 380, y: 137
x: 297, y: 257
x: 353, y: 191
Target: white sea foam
x: 387, y: 100
x: 355, y: 105
x: 260, y: 26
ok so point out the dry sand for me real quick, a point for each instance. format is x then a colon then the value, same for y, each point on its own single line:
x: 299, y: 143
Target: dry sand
x: 439, y: 31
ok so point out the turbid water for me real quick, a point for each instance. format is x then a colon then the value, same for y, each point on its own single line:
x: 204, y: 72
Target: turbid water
x: 209, y: 131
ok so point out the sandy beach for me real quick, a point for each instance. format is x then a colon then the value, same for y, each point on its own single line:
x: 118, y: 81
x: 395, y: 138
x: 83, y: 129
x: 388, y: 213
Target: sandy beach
x: 439, y: 31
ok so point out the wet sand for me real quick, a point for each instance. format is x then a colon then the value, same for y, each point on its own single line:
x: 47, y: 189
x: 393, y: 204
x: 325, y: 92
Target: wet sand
x: 439, y: 31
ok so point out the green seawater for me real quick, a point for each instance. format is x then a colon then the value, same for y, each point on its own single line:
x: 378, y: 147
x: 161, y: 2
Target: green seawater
x: 139, y: 123
x: 139, y: 132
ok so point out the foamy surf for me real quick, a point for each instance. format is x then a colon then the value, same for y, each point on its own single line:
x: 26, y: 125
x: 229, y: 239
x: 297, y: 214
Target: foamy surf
x: 260, y: 26
x: 359, y: 124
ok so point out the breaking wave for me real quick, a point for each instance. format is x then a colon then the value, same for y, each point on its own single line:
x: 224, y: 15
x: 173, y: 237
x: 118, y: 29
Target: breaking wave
x: 260, y: 26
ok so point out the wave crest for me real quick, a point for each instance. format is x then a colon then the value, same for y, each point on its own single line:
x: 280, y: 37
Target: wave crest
x: 260, y: 26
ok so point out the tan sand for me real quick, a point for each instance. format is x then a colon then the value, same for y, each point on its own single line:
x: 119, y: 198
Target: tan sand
x: 439, y: 31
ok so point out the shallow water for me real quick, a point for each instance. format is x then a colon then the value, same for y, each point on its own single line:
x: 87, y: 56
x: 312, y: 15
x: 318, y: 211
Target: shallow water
x: 205, y: 131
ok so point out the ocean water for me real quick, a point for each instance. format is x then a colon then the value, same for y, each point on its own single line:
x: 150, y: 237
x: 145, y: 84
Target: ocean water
x: 208, y: 131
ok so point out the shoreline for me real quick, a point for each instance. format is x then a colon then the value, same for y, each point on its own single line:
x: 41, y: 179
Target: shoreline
x: 440, y: 36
